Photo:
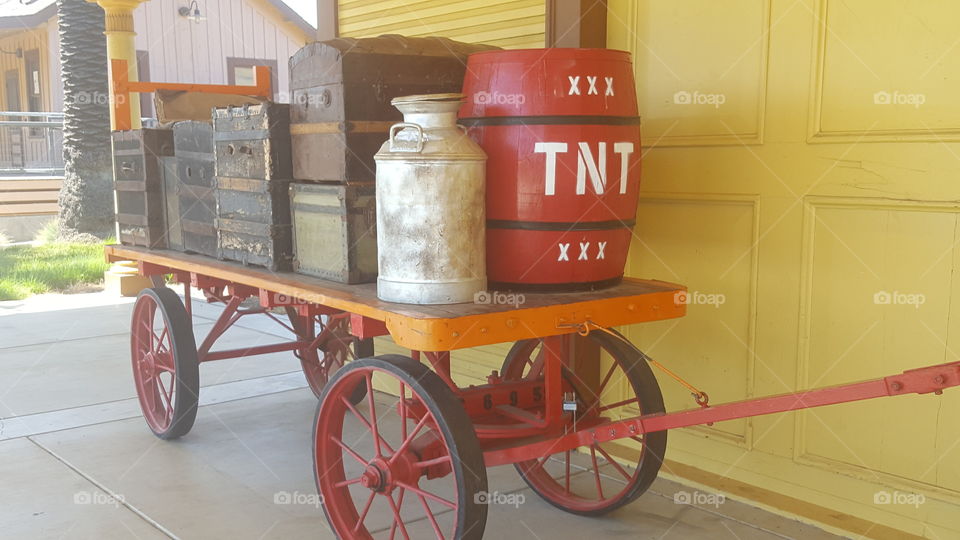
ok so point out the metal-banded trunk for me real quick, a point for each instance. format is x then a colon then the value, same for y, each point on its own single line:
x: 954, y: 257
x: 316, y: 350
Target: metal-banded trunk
x: 342, y: 88
x: 193, y: 148
x: 139, y: 177
x: 253, y: 167
x: 335, y: 233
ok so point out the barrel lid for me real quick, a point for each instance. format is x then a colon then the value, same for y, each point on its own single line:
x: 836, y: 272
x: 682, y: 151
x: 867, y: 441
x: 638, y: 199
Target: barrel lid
x: 420, y: 98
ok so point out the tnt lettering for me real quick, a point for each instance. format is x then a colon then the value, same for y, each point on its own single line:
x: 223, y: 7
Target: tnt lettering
x: 590, y: 165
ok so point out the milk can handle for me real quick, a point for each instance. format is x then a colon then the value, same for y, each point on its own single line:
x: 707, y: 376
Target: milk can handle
x: 401, y: 125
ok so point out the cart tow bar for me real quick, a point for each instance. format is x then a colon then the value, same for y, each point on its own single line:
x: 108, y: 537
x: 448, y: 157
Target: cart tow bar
x: 584, y: 329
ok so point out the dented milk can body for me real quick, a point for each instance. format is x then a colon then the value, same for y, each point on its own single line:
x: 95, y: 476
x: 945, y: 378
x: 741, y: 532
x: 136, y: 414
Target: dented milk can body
x: 431, y: 216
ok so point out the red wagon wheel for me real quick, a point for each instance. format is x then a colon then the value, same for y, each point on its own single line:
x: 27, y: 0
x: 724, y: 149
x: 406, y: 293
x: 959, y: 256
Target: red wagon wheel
x: 414, y: 458
x: 588, y: 480
x: 165, y: 367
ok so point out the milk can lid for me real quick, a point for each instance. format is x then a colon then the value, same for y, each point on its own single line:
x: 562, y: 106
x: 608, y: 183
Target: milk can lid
x: 420, y: 98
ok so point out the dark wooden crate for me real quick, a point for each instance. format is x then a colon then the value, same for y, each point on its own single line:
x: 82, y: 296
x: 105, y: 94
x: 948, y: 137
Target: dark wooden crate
x: 138, y: 183
x: 253, y: 141
x: 253, y: 222
x: 341, y: 91
x: 335, y: 231
x: 194, y: 150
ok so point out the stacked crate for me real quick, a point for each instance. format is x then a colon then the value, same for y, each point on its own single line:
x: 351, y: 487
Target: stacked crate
x: 340, y: 116
x: 193, y: 148
x: 138, y: 182
x: 253, y: 169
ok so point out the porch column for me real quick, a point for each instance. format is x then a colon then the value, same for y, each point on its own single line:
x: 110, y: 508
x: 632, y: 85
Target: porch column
x: 120, y: 45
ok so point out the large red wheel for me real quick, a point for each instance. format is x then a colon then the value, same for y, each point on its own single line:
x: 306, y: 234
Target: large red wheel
x: 407, y: 467
x: 165, y: 368
x: 588, y: 480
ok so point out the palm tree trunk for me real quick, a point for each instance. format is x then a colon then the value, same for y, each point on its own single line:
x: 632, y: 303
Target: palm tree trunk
x: 86, y: 200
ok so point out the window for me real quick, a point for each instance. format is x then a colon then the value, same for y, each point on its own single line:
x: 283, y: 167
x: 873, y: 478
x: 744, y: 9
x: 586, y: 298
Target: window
x: 240, y: 72
x: 31, y: 60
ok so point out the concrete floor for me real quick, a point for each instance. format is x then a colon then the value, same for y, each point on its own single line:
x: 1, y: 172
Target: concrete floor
x: 77, y: 461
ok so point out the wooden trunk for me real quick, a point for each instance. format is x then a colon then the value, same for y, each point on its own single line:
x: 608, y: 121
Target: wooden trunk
x: 341, y: 92
x: 138, y: 181
x: 193, y: 147
x: 335, y: 231
x: 253, y: 175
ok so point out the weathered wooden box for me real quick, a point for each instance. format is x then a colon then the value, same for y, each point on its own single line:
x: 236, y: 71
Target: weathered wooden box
x: 138, y: 182
x: 194, y: 150
x: 341, y: 91
x: 335, y: 231
x: 253, y: 173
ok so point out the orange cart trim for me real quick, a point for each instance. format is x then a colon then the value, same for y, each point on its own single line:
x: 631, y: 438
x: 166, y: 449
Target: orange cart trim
x: 445, y: 327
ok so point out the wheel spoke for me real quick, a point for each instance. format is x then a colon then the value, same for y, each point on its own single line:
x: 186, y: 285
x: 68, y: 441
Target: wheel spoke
x: 362, y: 419
x: 163, y: 391
x: 374, y: 429
x: 428, y: 495
x: 397, y: 519
x: 160, y: 341
x: 347, y: 482
x: 393, y: 526
x: 433, y: 519
x: 619, y: 404
x: 403, y: 411
x: 606, y: 379
x: 432, y: 462
x: 614, y: 463
x: 363, y: 514
x: 409, y: 439
x: 596, y: 471
x: 348, y: 450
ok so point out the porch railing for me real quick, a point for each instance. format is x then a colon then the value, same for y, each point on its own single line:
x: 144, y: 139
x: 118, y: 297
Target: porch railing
x: 31, y: 143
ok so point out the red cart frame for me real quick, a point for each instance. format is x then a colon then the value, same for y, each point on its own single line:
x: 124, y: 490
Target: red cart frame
x: 523, y: 415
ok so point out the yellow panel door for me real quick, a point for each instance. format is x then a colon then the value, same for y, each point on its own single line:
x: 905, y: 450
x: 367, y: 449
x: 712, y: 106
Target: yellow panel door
x: 801, y: 170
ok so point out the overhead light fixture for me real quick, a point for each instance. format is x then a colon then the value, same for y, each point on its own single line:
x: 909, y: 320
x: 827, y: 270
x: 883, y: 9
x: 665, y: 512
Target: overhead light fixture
x: 192, y: 12
x: 18, y: 52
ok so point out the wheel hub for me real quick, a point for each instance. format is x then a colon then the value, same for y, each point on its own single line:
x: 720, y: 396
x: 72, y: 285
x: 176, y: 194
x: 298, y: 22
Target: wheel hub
x: 375, y: 477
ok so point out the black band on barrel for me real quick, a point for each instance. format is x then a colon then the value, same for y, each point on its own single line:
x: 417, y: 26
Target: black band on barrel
x: 548, y: 226
x: 551, y: 121
x: 554, y: 287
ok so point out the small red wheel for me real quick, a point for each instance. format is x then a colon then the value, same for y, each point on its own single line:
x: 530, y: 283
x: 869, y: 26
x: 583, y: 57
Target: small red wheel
x: 415, y: 456
x: 165, y: 367
x: 588, y: 480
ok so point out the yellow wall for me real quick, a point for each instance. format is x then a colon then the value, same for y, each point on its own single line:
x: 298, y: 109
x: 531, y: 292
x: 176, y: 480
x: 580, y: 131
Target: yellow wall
x: 799, y: 198
x: 510, y: 24
x: 28, y: 39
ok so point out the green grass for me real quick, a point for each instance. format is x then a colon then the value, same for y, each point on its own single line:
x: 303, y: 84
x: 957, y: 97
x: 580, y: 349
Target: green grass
x: 52, y: 267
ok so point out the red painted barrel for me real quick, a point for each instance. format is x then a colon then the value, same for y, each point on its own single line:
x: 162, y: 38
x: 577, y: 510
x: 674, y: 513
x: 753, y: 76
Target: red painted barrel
x: 562, y: 137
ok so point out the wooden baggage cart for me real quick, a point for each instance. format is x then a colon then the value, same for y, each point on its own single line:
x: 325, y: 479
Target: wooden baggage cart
x: 570, y: 388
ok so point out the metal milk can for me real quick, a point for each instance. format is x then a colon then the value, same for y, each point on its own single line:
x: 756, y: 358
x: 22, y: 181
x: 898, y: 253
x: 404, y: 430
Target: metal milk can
x: 431, y: 212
